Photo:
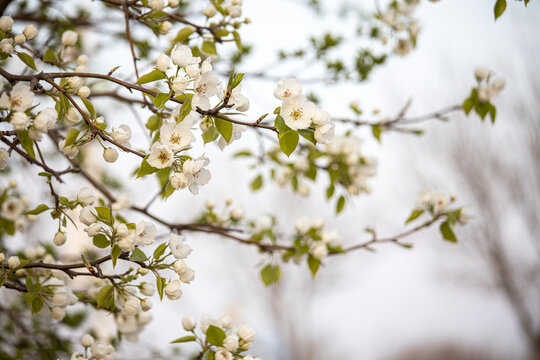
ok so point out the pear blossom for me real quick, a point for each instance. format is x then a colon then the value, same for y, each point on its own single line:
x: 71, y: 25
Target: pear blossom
x: 87, y: 340
x: 319, y: 251
x: 498, y: 84
x: 297, y: 112
x: 179, y: 181
x: 57, y: 313
x: 246, y: 333
x: 86, y: 196
x: 146, y: 304
x: 287, y: 88
x: 237, y: 213
x: 7, y: 46
x: 163, y: 63
x: 302, y: 224
x: 45, y: 119
x: 233, y: 8
x: 20, y: 121
x: 179, y: 84
x: 156, y: 5
x: 172, y: 290
x: 205, y: 86
x: 93, y: 229
x: 4, y: 155
x: 145, y: 233
x: 195, y: 173
x: 185, y: 273
x: 188, y: 322
x: 165, y: 27
x: 69, y: 38
x: 147, y: 289
x: 59, y: 239
x: 6, y: 23
x: 19, y: 39
x: 263, y: 223
x: 231, y: 343
x: 209, y: 11
x: 110, y: 154
x: 12, y: 208
x: 481, y: 73
x: 320, y: 117
x: 175, y: 136
x: 84, y: 92
x: 132, y: 306
x: 127, y: 244
x: 182, y: 56
x: 122, y: 202
x: 122, y: 134
x: 72, y: 116
x: 179, y: 249
x: 223, y: 354
x: 14, y: 262
x: 88, y: 215
x: 19, y: 99
x: 325, y: 133
x: 30, y: 31
x: 161, y: 156
x: 237, y: 131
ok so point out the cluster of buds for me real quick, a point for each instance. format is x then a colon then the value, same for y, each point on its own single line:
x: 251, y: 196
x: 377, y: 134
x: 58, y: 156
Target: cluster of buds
x: 94, y: 350
x: 11, y: 40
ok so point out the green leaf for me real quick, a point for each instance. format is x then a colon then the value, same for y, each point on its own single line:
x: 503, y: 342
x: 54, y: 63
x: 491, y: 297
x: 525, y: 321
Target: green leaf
x: 288, y: 141
x: 184, y: 339
x: 101, y: 241
x: 153, y: 123
x: 137, y: 255
x: 104, y: 213
x: 224, y: 127
x: 376, y: 131
x: 210, y: 134
x: 146, y: 168
x: 27, y: 59
x: 183, y: 34
x: 215, y: 335
x: 160, y: 285
x: 279, y: 123
x: 38, y: 210
x: 500, y: 7
x: 238, y: 41
x: 151, y: 76
x: 308, y: 134
x: 243, y: 153
x: 160, y: 99
x: 90, y: 107
x: 209, y: 47
x: 49, y: 56
x: 340, y: 204
x: 237, y: 80
x: 492, y: 113
x: 447, y: 232
x: 414, y: 214
x: 330, y: 191
x: 184, y: 110
x: 71, y: 136
x: 115, y: 253
x: 270, y: 274
x: 257, y: 183
x: 159, y: 251
x: 37, y: 304
x: 105, y: 298
x: 26, y: 142
x: 313, y: 265
x: 468, y: 105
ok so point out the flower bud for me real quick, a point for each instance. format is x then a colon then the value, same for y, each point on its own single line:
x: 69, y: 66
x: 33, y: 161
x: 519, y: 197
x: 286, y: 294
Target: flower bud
x: 72, y: 116
x: 30, y: 31
x: 132, y: 306
x: 84, y: 92
x: 246, y: 333
x: 110, y: 155
x: 82, y: 59
x: 19, y: 39
x: 87, y: 340
x: 69, y: 38
x: 163, y: 63
x: 58, y: 313
x: 172, y: 290
x: 14, y: 262
x: 146, y: 304
x: 481, y: 73
x: 7, y: 46
x: 87, y: 215
x: 188, y: 322
x: 147, y: 289
x: 209, y: 11
x: 319, y: 251
x: 2, y: 257
x: 165, y: 27
x: 6, y: 23
x: 86, y: 196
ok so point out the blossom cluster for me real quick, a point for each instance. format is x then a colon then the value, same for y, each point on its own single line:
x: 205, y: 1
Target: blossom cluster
x: 94, y: 350
x: 219, y: 339
x: 298, y: 113
x: 311, y: 233
x: 400, y: 25
x: 488, y: 86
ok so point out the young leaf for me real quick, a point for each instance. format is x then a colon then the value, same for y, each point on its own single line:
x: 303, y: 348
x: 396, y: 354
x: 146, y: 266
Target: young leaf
x: 27, y: 59
x: 288, y: 141
x: 38, y: 210
x: 224, y: 127
x: 257, y: 183
x: 209, y: 48
x: 210, y: 134
x: 313, y: 265
x: 146, y: 168
x: 270, y: 274
x: 414, y: 214
x: 137, y: 255
x: 447, y: 232
x: 100, y: 241
x: 71, y: 136
x: 215, y: 335
x: 500, y: 7
x: 151, y: 76
x: 184, y: 339
x: 340, y: 204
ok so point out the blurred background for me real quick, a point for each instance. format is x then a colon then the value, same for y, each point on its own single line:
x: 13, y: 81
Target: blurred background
x: 477, y: 299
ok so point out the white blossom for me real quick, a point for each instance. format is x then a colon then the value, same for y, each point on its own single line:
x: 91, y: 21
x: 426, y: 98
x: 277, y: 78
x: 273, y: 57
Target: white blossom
x: 59, y: 238
x: 20, y: 121
x: 7, y: 46
x: 324, y: 133
x: 88, y: 215
x: 182, y: 56
x: 176, y: 136
x: 246, y: 333
x: 223, y: 354
x: 209, y: 11
x: 297, y: 112
x: 87, y: 340
x: 6, y: 23
x: 132, y: 306
x: 30, y: 31
x: 121, y: 134
x: 196, y: 174
x: 93, y: 229
x: 145, y: 233
x: 12, y: 208
x: 110, y: 154
x: 57, y: 313
x: 72, y: 116
x: 19, y: 39
x: 161, y: 156
x: 179, y: 249
x: 188, y: 322
x: 69, y: 38
x: 319, y: 251
x: 84, y: 92
x: 185, y: 273
x: 179, y: 84
x: 481, y: 73
x: 156, y: 5
x: 172, y: 290
x: 45, y: 119
x: 4, y: 155
x: 147, y: 289
x: 163, y: 63
x: 287, y: 88
x: 20, y: 98
x: 302, y: 224
x: 14, y: 262
x: 86, y: 196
